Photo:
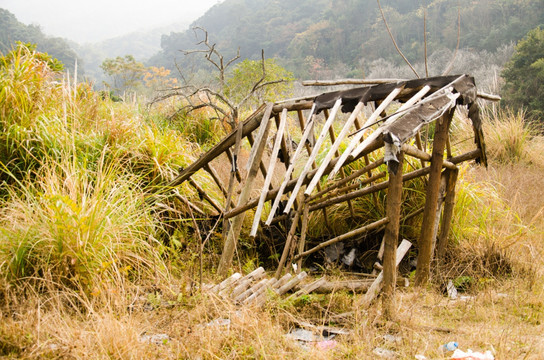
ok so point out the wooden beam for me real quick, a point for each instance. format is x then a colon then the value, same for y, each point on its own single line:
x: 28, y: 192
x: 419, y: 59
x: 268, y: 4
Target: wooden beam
x: 349, y: 82
x: 431, y: 199
x: 392, y: 210
x: 362, y: 230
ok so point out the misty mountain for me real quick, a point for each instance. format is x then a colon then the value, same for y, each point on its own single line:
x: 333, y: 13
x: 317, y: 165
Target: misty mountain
x: 11, y: 31
x: 347, y: 34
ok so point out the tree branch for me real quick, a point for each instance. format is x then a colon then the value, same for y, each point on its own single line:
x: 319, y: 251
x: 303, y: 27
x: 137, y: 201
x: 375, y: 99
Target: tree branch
x: 394, y: 42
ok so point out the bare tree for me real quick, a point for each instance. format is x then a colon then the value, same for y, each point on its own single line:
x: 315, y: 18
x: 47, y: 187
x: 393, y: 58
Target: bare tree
x: 214, y: 97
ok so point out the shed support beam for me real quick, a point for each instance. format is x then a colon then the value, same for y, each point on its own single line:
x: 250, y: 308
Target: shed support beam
x: 427, y: 228
x: 393, y: 205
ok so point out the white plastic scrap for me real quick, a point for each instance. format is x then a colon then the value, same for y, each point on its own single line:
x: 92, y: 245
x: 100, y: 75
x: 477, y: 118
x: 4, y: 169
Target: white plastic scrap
x: 157, y: 339
x: 384, y: 353
x: 469, y: 355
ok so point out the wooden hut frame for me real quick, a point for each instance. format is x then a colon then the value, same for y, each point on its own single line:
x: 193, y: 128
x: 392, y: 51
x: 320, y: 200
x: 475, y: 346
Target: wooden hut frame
x: 422, y: 101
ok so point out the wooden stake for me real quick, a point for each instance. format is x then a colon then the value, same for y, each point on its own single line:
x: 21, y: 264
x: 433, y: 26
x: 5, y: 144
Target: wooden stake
x: 393, y: 205
x: 425, y: 239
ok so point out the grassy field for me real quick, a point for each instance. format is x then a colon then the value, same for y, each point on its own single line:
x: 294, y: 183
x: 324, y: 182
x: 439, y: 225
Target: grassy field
x: 91, y: 270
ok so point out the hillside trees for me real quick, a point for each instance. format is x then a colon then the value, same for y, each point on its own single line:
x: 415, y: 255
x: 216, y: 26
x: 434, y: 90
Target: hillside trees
x: 342, y: 32
x: 126, y: 73
x: 524, y: 75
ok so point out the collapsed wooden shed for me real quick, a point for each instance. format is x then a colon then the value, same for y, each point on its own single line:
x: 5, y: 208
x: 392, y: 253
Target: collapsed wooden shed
x: 422, y: 101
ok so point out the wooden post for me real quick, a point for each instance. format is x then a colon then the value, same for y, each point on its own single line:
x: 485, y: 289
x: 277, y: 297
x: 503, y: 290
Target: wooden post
x: 393, y: 205
x: 447, y: 214
x: 425, y: 239
x: 234, y: 231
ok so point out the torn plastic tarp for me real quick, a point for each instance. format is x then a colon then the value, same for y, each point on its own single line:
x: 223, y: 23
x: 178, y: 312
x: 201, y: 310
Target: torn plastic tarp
x: 406, y: 126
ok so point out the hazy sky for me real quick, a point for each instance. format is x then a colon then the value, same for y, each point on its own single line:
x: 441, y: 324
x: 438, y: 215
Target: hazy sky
x: 95, y: 20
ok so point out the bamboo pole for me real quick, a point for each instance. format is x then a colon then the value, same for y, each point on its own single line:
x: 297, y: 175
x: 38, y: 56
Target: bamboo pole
x: 353, y: 186
x: 393, y: 205
x: 348, y: 235
x: 234, y: 231
x: 270, y: 172
x: 422, y: 155
x: 425, y: 238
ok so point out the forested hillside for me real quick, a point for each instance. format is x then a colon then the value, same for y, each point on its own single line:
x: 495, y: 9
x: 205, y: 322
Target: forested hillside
x: 342, y: 33
x: 12, y: 30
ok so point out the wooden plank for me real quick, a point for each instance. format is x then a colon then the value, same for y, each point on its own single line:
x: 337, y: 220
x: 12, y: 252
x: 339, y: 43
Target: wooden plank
x: 334, y: 148
x: 292, y: 283
x: 377, y: 285
x: 401, y: 111
x: 314, y: 154
x: 270, y: 174
x: 431, y: 199
x: 234, y: 231
x: 359, y: 135
x: 287, y: 177
x: 291, y: 184
x: 348, y: 235
x: 390, y: 239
